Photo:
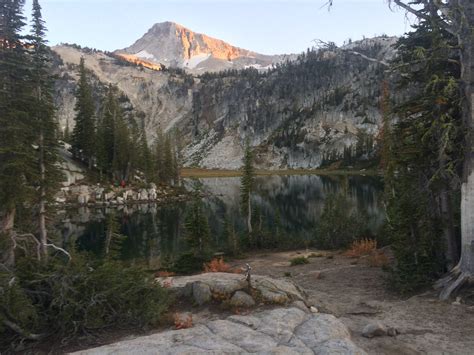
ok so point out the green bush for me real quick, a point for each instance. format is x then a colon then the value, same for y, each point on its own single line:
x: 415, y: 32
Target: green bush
x: 190, y: 263
x: 68, y: 300
x: 300, y: 260
x: 339, y: 226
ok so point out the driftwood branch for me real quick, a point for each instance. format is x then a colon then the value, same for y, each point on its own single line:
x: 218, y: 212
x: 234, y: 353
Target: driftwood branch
x: 31, y: 236
x: 59, y: 249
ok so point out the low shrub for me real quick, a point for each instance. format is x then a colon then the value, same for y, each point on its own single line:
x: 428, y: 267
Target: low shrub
x: 183, y: 321
x: 164, y: 274
x: 189, y: 263
x: 70, y: 300
x: 300, y: 260
x: 362, y: 247
x: 217, y: 265
x: 339, y: 224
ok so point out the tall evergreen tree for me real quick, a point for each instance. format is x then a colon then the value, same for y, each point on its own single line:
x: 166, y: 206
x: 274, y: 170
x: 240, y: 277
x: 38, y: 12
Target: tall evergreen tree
x: 83, y: 135
x: 159, y: 156
x: 122, y: 162
x: 198, y: 234
x: 106, y: 133
x: 146, y: 159
x: 247, y: 183
x: 425, y: 155
x: 45, y: 123
x: 16, y: 135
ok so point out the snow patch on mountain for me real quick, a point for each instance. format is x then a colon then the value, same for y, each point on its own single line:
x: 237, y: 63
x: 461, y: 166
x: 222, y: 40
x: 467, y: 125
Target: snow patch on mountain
x: 145, y: 55
x: 194, y: 61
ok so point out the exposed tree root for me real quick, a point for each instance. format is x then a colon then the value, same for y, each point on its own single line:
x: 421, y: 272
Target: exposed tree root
x: 453, y: 282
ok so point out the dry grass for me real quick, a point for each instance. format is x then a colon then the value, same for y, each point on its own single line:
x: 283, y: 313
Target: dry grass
x: 368, y: 248
x: 378, y: 259
x: 218, y: 265
x: 362, y: 247
x: 164, y: 274
x: 183, y: 322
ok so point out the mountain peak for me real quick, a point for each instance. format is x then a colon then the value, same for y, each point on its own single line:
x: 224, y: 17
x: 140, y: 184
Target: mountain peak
x: 174, y: 45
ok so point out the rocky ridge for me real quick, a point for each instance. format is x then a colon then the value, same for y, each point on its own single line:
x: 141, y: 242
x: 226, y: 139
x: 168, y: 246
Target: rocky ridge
x: 303, y: 114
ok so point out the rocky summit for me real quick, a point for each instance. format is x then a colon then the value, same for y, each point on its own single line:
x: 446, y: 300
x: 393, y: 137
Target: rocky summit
x: 173, y: 45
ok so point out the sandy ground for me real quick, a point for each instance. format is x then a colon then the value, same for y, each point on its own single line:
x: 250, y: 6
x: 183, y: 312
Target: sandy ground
x: 357, y: 294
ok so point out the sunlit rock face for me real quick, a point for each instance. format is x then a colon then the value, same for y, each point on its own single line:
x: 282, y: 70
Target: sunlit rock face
x: 176, y: 46
x: 295, y: 116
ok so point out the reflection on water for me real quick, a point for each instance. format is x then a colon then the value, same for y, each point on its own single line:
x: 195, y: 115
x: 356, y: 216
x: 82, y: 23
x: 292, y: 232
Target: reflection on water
x: 291, y: 203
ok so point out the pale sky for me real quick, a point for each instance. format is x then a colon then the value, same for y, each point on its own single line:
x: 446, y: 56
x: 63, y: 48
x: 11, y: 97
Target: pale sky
x: 264, y: 26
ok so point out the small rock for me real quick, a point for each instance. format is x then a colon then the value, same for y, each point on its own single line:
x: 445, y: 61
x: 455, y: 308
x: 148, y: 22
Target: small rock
x: 392, y: 332
x: 313, y: 309
x: 143, y: 195
x: 375, y: 329
x: 242, y: 299
x: 201, y: 293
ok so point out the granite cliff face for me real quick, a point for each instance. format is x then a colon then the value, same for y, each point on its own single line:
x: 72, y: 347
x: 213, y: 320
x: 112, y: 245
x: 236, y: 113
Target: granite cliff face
x: 314, y: 110
x: 176, y: 46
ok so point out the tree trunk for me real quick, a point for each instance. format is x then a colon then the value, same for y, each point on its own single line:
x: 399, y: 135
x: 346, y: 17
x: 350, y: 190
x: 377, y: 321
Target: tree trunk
x: 467, y: 192
x: 6, y: 233
x: 464, y: 271
x: 451, y: 247
x: 42, y: 203
x: 249, y: 215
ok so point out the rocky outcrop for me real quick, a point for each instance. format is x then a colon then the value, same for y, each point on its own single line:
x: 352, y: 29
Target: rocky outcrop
x: 99, y: 195
x: 233, y: 288
x: 279, y: 331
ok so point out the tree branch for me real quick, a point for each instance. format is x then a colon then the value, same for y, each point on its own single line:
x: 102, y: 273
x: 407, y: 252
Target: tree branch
x: 410, y: 9
x: 367, y: 58
x: 17, y: 329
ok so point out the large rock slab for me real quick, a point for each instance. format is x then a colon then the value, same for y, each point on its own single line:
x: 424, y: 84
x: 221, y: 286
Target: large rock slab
x: 278, y: 331
x: 223, y: 286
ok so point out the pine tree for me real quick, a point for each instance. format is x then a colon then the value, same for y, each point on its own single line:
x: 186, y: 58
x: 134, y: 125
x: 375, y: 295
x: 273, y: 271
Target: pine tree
x: 83, y: 135
x: 424, y: 159
x: 168, y: 161
x: 45, y: 123
x: 146, y: 159
x: 106, y: 133
x: 247, y: 185
x: 16, y: 133
x: 159, y: 156
x: 122, y: 164
x: 198, y: 233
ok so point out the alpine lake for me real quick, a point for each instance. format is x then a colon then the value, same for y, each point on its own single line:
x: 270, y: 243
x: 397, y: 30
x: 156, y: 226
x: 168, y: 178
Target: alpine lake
x: 286, y: 209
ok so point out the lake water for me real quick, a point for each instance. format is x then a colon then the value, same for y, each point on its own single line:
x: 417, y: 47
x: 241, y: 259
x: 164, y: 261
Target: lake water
x: 289, y: 206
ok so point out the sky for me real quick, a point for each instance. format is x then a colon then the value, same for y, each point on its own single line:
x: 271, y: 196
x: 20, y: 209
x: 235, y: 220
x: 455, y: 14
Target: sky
x: 264, y: 26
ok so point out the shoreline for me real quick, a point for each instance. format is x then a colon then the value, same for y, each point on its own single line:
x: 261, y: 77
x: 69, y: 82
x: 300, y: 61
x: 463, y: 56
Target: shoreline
x: 221, y: 173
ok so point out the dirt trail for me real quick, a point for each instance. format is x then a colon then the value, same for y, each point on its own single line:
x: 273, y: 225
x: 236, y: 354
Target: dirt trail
x: 356, y: 293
